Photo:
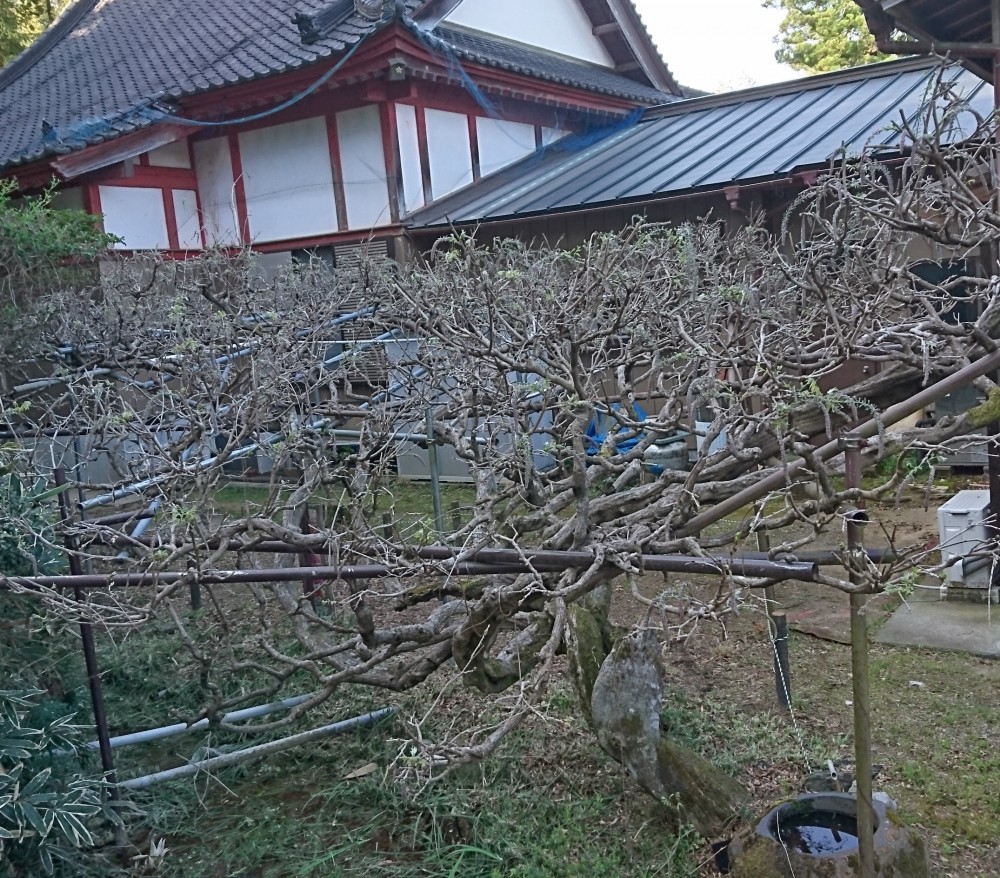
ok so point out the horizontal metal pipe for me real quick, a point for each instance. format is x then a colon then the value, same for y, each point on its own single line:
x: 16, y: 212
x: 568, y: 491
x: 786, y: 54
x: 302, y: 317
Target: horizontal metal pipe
x: 485, y: 562
x: 542, y: 559
x: 892, y: 415
x: 147, y: 735
x: 823, y: 558
x: 122, y: 517
x: 240, y: 577
x: 250, y: 754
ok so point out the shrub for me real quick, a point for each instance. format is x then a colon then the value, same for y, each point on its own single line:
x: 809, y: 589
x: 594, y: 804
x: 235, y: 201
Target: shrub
x: 45, y: 806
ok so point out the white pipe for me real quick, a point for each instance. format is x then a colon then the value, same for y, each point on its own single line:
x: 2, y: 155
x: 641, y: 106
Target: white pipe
x: 147, y: 735
x: 250, y: 753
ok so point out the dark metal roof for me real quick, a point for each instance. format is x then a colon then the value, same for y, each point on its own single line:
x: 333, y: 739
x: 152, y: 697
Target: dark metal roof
x: 89, y: 77
x: 707, y: 143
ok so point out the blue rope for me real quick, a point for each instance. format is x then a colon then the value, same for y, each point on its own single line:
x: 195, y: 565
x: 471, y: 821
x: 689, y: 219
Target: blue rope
x: 86, y: 130
x: 572, y: 143
x: 440, y: 47
x: 161, y: 116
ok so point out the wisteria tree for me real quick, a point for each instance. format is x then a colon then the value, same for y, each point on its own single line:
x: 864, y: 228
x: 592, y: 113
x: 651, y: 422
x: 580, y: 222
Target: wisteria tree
x: 554, y: 374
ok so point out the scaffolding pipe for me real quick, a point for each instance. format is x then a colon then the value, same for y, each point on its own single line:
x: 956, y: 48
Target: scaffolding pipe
x: 495, y: 561
x: 121, y: 517
x: 821, y: 557
x: 144, y: 522
x: 258, y: 752
x: 892, y: 415
x: 359, y: 346
x: 238, y: 454
x: 158, y: 734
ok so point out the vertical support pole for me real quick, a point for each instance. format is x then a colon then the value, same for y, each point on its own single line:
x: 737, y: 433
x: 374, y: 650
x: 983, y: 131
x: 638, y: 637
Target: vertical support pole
x: 777, y: 623
x: 89, y: 649
x: 859, y: 668
x: 993, y: 429
x: 432, y: 460
x: 782, y: 671
x: 387, y: 529
x: 310, y: 591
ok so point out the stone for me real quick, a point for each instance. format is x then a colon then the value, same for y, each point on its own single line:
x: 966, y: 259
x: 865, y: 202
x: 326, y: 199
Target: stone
x: 626, y: 703
x: 757, y: 852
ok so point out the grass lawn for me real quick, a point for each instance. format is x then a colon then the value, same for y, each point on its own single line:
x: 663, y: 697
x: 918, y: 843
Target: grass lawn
x: 551, y: 804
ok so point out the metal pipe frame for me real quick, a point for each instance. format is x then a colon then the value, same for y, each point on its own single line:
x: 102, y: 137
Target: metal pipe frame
x: 892, y: 415
x: 158, y: 734
x: 483, y: 562
x: 860, y: 674
x: 259, y: 751
x: 820, y: 557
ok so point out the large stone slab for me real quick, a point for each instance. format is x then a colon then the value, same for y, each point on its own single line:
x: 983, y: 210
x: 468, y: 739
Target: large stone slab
x: 926, y: 620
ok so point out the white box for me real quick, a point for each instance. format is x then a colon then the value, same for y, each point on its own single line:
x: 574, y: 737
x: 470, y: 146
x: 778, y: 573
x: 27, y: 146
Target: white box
x: 962, y: 529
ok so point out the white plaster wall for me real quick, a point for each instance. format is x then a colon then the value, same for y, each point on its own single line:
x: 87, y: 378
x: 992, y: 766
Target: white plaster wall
x: 551, y: 135
x: 186, y: 214
x: 172, y: 155
x: 557, y: 25
x: 502, y: 143
x: 409, y: 157
x: 214, y: 169
x: 449, y: 151
x: 362, y: 162
x: 288, y: 180
x: 136, y: 215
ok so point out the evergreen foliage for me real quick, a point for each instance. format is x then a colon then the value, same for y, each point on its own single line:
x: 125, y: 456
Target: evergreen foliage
x: 818, y: 36
x: 22, y: 22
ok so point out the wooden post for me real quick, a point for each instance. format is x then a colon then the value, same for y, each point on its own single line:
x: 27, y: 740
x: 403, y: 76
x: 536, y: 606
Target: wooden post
x: 856, y: 520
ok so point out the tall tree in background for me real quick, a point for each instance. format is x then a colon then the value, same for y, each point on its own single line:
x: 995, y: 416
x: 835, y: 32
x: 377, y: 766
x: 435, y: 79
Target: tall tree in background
x: 22, y: 22
x: 822, y: 35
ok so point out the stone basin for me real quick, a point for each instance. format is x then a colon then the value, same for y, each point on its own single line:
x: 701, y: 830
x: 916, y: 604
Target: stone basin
x: 815, y: 836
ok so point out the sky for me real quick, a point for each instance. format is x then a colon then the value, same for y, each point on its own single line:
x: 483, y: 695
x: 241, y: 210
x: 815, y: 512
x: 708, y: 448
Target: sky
x: 716, y: 45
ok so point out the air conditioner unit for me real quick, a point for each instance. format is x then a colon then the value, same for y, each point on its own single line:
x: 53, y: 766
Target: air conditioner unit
x: 962, y: 526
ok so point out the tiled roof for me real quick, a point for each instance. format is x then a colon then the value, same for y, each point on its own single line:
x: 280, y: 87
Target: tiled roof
x: 709, y: 143
x: 104, y: 58
x: 519, y: 59
x: 88, y: 77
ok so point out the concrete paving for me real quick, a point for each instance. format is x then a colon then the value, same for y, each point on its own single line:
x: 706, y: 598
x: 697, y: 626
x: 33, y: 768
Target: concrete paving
x: 926, y: 620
